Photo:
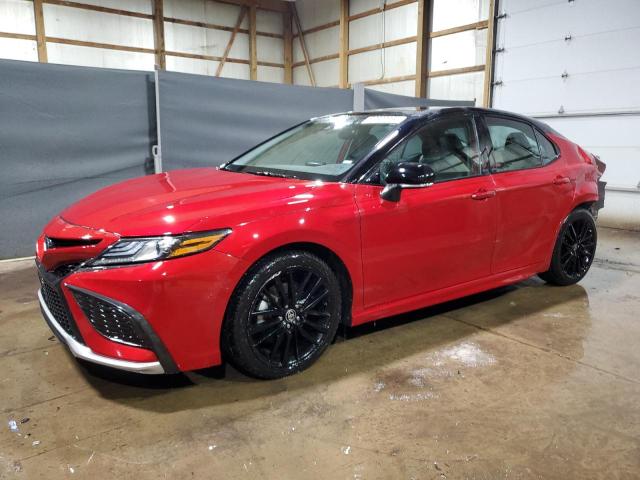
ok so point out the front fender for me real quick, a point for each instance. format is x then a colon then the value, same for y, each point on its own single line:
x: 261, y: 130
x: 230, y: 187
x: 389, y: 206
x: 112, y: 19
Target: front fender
x: 335, y: 228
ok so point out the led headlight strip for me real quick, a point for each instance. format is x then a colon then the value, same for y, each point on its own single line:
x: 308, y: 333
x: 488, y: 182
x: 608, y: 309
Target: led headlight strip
x: 149, y: 249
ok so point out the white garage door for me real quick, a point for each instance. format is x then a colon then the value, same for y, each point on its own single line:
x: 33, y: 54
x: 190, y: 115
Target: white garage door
x: 576, y: 65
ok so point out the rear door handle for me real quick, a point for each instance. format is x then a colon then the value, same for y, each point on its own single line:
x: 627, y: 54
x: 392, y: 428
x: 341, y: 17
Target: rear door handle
x: 559, y: 180
x: 483, y: 194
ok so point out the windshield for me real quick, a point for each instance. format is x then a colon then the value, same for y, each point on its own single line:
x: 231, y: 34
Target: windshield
x: 323, y: 148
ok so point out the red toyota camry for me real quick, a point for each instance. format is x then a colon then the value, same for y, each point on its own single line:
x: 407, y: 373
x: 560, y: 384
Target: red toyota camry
x: 343, y: 219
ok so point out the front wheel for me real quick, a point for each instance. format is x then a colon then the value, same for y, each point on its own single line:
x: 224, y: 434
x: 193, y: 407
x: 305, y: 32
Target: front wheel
x: 574, y: 249
x: 283, y: 315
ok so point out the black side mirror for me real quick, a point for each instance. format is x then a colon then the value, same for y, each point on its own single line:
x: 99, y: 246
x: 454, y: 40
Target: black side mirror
x: 407, y: 175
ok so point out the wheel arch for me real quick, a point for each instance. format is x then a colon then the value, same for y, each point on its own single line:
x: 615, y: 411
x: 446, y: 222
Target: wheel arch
x: 325, y: 253
x: 588, y: 205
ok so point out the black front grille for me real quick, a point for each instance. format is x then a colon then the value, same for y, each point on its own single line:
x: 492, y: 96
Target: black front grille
x: 66, y: 269
x: 111, y: 320
x: 58, y: 308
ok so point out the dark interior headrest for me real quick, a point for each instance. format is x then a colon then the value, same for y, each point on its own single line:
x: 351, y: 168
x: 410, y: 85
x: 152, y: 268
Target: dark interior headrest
x: 517, y: 138
x: 452, y: 142
x: 430, y: 146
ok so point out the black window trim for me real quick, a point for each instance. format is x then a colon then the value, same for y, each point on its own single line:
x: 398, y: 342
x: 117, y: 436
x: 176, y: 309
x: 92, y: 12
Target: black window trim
x: 535, y: 129
x: 471, y: 116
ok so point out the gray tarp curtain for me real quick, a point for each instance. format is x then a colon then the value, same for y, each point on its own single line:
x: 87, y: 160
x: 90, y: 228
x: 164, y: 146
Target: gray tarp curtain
x: 375, y: 99
x: 67, y: 131
x: 208, y: 121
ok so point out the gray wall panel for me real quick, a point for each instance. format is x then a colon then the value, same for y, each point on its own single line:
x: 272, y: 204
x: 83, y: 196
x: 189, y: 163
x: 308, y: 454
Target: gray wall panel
x: 208, y: 121
x: 64, y: 133
x: 375, y: 99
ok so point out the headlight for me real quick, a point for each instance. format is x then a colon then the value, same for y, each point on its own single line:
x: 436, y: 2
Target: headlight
x: 149, y: 249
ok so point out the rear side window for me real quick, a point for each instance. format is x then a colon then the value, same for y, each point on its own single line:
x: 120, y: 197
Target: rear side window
x: 514, y: 143
x: 547, y: 149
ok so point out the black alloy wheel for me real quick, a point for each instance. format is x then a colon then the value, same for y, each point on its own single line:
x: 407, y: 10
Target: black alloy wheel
x: 283, y: 315
x: 577, y: 248
x: 574, y: 250
x: 290, y: 318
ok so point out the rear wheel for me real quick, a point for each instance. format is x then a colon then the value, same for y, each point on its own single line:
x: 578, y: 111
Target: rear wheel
x: 574, y: 249
x: 284, y: 314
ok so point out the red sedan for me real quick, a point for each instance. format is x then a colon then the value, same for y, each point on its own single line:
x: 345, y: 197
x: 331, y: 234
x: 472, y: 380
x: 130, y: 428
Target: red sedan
x: 343, y: 219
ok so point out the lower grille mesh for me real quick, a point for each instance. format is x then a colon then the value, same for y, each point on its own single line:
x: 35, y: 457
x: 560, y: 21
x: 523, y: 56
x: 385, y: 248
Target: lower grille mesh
x: 57, y: 306
x: 110, y: 320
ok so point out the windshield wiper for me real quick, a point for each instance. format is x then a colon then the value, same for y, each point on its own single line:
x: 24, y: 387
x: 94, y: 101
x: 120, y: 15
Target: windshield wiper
x: 266, y: 173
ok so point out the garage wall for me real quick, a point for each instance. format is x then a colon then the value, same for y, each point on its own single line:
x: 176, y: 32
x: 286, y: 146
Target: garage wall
x: 16, y: 17
x: 323, y: 43
x: 382, y: 45
x: 576, y: 66
x: 120, y: 34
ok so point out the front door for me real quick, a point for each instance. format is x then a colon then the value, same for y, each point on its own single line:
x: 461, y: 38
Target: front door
x: 436, y: 236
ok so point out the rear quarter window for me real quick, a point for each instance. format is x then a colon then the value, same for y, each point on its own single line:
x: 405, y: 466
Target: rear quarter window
x: 548, y: 151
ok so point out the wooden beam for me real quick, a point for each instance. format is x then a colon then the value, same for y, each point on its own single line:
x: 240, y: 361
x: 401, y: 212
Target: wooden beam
x: 381, y: 81
x: 387, y: 6
x: 319, y: 28
x: 40, y: 35
x: 158, y: 34
x: 378, y: 46
x: 303, y: 45
x: 456, y: 71
x: 215, y: 58
x: 324, y: 58
x: 253, y: 53
x: 288, y: 47
x: 489, y: 59
x: 344, y: 43
x: 213, y: 26
x: 462, y: 28
x: 96, y: 8
x: 18, y: 36
x: 273, y: 5
x: 241, y: 15
x: 107, y: 46
x: 422, y: 47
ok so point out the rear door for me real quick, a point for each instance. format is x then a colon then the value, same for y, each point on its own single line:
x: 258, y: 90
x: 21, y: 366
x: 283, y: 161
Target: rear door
x: 435, y: 236
x: 533, y: 191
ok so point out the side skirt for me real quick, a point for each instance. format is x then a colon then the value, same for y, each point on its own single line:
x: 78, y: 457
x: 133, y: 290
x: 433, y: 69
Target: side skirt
x: 446, y: 294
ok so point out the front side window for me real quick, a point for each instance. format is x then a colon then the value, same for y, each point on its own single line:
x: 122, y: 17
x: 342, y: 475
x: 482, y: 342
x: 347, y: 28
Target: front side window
x: 448, y: 146
x: 324, y: 148
x: 514, y: 145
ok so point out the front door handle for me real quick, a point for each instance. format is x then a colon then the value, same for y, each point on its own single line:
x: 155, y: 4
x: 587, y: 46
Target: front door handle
x: 483, y: 194
x: 560, y: 180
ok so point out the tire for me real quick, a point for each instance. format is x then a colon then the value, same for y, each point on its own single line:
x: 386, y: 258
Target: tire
x: 574, y: 249
x: 297, y: 324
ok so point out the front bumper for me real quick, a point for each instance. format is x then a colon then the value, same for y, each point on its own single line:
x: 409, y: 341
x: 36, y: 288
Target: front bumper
x: 82, y: 351
x: 177, y: 306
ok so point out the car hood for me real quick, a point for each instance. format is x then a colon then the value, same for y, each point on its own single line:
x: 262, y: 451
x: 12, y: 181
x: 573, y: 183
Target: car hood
x: 196, y: 200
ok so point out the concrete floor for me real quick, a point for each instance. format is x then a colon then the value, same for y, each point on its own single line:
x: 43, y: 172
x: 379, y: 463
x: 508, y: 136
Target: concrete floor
x: 530, y: 381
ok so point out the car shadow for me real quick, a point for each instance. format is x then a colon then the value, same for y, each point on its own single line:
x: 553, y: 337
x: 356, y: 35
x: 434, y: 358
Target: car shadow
x: 356, y: 350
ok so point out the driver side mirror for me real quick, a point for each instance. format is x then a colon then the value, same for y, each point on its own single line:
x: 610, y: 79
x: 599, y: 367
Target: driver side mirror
x: 407, y: 175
